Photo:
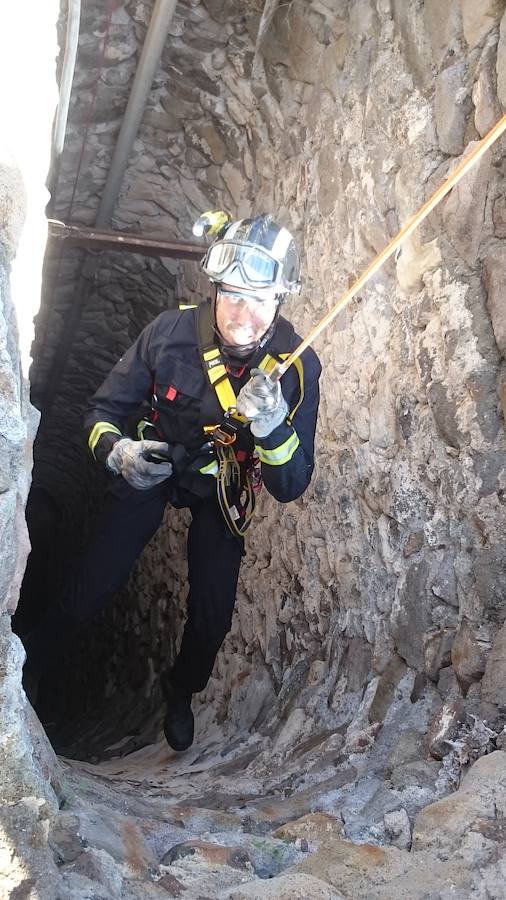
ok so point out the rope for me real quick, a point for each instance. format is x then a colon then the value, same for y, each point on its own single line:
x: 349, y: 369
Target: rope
x: 396, y: 242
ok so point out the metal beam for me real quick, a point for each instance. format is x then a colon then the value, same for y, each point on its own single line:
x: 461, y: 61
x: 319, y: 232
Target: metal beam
x: 147, y: 245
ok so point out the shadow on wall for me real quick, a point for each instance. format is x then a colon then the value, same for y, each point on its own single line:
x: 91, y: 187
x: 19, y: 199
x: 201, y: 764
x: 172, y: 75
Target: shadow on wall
x: 43, y: 517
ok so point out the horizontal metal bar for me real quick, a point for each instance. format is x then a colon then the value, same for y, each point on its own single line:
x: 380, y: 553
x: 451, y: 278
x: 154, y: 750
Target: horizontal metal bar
x: 94, y: 239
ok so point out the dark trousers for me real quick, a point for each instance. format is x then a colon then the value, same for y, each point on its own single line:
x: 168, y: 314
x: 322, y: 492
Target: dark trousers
x: 126, y: 525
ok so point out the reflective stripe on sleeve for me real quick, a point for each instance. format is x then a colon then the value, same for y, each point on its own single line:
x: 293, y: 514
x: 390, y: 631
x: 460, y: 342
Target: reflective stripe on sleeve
x: 279, y: 455
x: 98, y: 430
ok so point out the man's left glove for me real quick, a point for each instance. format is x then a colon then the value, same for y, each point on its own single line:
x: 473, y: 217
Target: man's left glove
x: 132, y: 460
x: 261, y: 401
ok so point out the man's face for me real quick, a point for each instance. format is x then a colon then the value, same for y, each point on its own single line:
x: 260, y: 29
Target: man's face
x: 243, y: 317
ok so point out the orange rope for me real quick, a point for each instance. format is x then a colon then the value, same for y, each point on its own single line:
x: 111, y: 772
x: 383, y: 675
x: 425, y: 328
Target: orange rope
x: 396, y: 242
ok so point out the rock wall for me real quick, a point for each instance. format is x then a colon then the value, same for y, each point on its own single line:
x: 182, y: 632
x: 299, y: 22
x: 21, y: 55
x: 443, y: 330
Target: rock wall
x: 19, y: 767
x: 29, y: 772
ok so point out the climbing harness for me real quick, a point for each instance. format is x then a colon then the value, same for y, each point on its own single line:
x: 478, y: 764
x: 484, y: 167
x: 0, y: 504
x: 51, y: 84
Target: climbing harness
x: 236, y: 496
x: 239, y: 477
x: 234, y: 488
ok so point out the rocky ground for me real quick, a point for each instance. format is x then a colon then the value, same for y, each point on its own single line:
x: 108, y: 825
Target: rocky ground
x: 368, y: 813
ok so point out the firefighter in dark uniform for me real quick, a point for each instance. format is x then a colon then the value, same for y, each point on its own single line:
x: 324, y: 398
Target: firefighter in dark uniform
x: 217, y: 428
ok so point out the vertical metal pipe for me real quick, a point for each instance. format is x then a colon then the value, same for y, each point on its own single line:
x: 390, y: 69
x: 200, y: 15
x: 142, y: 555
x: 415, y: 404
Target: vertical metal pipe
x: 146, y: 70
x: 67, y: 77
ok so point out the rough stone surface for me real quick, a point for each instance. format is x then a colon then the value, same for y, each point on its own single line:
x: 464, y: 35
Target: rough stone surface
x: 493, y: 686
x: 286, y: 887
x: 479, y: 19
x: 27, y: 868
x: 444, y: 728
x: 29, y: 771
x: 485, y: 100
x: 398, y: 828
x: 213, y: 854
x: 17, y: 430
x: 495, y: 281
x: 313, y: 827
x: 456, y: 847
x: 482, y: 794
x: 444, y: 26
x: 463, y: 212
x: 469, y: 653
x: 501, y: 64
x: 369, y: 872
x: 452, y: 107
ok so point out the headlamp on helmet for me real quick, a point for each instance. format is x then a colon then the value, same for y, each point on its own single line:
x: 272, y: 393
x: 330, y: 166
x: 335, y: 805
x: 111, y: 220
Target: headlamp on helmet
x: 213, y: 222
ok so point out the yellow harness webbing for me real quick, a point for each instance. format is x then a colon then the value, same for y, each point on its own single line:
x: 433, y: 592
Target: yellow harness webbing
x: 234, y: 489
x: 233, y: 484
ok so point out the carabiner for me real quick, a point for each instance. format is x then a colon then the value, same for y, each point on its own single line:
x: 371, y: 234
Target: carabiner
x: 225, y: 433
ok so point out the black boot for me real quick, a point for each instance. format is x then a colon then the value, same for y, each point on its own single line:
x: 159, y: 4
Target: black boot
x: 178, y: 723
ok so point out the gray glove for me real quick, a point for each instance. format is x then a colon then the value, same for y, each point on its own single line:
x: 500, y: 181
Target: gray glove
x: 261, y: 401
x: 131, y: 459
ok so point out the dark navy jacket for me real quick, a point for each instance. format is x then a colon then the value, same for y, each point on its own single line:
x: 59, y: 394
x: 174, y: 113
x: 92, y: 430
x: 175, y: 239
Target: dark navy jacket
x: 163, y: 368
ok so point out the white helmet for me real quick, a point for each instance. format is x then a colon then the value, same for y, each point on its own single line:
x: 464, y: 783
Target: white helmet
x: 254, y: 254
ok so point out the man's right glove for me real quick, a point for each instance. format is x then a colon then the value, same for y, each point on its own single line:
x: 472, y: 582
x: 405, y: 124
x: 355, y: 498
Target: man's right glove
x: 261, y: 401
x: 131, y: 460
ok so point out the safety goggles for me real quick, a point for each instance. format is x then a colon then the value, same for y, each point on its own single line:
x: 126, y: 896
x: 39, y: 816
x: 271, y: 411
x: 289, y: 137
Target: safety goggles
x: 257, y: 267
